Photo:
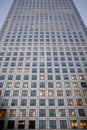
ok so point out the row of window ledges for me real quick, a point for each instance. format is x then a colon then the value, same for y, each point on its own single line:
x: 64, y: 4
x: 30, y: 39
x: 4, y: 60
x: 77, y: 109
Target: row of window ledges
x: 43, y: 84
x: 43, y: 102
x: 43, y: 124
x: 42, y: 93
x: 44, y: 112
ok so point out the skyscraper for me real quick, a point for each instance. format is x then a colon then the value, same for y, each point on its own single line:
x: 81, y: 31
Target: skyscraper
x: 43, y: 67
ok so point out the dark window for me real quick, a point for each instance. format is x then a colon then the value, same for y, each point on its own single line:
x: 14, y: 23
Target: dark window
x: 10, y: 125
x: 2, y: 124
x: 31, y: 124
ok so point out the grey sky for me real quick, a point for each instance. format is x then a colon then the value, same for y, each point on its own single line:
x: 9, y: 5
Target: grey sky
x: 5, y: 6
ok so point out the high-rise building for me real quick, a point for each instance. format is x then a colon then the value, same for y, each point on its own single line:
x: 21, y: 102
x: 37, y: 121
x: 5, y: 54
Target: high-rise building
x: 43, y: 67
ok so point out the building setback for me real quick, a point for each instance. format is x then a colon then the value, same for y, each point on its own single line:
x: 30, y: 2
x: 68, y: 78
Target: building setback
x: 43, y: 67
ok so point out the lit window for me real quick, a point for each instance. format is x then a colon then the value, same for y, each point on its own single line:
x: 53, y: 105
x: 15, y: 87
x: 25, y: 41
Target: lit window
x: 21, y: 124
x: 74, y: 124
x: 25, y: 85
x: 11, y: 71
x: 42, y: 77
x: 61, y: 113
x: 79, y: 102
x: 58, y: 85
x: 2, y: 112
x: 26, y: 70
x: 19, y: 70
x: 12, y: 113
x: 81, y: 77
x: 85, y: 93
x: 67, y: 85
x: 22, y: 113
x: 51, y: 93
x: 32, y: 113
x: 73, y: 77
x: 70, y: 102
x: 17, y: 85
x: 75, y: 84
x: 83, y: 124
x: 77, y: 93
x: 42, y: 93
x: 72, y: 112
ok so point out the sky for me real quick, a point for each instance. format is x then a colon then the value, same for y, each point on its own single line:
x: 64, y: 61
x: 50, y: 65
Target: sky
x: 6, y: 4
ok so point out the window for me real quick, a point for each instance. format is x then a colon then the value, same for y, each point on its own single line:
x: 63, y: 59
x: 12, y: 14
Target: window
x: 33, y: 85
x: 70, y: 102
x: 10, y: 77
x: 72, y: 112
x: 42, y: 102
x: 83, y: 124
x: 51, y: 102
x: 52, y: 124
x: 31, y: 124
x: 50, y: 84
x: 3, y: 112
x: 32, y: 102
x: 23, y: 102
x: 18, y: 77
x: 15, y: 93
x: 22, y: 113
x: 42, y: 112
x: 32, y: 113
x: 2, y: 77
x: 61, y: 113
x: 52, y: 113
x: 24, y: 93
x: 7, y: 93
x: 8, y: 84
x: 74, y: 124
x: 21, y: 124
x: 14, y: 102
x: 2, y: 122
x: 79, y: 102
x: 42, y: 85
x: 25, y: 85
x: 63, y: 124
x: 60, y: 102
x: 68, y: 93
x: 12, y: 113
x: 81, y: 112
x: 77, y: 93
x: 42, y: 93
x: 59, y: 93
x: 10, y: 124
x: 42, y: 124
x: 1, y: 84
x: 84, y: 84
x: 33, y: 92
x: 5, y: 102
x: 58, y: 85
x: 17, y: 85
x: 26, y: 77
x: 34, y: 77
x: 85, y: 93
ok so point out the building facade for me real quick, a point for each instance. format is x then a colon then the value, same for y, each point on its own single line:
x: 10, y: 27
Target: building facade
x: 43, y: 67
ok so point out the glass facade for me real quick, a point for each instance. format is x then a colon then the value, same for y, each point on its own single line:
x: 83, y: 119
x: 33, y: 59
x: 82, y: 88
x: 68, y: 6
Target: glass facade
x: 43, y: 67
